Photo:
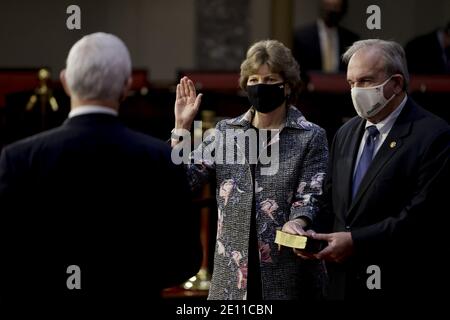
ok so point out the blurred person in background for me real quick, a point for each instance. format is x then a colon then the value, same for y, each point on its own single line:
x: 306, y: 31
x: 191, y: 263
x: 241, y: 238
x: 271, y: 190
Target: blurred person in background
x: 430, y: 53
x: 319, y: 46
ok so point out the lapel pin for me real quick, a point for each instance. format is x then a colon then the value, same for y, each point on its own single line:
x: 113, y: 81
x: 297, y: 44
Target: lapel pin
x: 393, y: 144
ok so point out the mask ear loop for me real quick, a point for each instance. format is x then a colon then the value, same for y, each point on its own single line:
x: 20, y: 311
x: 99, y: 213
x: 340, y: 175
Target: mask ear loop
x: 393, y: 94
x: 398, y: 74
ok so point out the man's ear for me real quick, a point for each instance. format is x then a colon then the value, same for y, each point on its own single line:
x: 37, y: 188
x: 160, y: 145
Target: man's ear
x: 399, y: 83
x: 126, y: 88
x: 62, y: 78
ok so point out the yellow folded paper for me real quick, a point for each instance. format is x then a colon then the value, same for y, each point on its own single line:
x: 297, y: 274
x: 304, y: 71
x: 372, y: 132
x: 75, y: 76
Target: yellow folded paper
x: 290, y: 240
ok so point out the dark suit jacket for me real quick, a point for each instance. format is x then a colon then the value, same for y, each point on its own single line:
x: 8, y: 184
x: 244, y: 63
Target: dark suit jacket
x: 398, y: 210
x: 425, y: 55
x: 96, y: 194
x: 306, y: 47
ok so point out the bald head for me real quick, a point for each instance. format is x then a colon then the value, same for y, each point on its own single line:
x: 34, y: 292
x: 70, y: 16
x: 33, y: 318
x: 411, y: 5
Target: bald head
x: 332, y: 11
x: 335, y: 5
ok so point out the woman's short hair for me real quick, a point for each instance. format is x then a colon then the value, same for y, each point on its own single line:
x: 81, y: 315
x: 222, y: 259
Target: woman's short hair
x: 98, y: 67
x: 278, y: 58
x: 392, y: 53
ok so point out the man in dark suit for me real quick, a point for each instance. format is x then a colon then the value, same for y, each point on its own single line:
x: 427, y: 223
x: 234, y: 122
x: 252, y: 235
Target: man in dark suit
x: 319, y: 46
x: 430, y: 53
x: 92, y: 211
x: 385, y: 194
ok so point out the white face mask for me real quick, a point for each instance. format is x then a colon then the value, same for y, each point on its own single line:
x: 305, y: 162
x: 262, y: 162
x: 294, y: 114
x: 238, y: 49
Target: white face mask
x: 370, y: 101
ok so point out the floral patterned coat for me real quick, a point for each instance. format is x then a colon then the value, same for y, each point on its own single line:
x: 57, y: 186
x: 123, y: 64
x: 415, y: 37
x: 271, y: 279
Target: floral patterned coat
x: 288, y: 194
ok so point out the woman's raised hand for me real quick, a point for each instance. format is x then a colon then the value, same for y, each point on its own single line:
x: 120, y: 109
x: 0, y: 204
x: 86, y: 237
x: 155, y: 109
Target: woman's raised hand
x: 187, y: 104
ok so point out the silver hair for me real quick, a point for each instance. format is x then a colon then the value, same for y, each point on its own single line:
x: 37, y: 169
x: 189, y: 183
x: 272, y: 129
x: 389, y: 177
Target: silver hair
x: 392, y: 54
x: 98, y: 67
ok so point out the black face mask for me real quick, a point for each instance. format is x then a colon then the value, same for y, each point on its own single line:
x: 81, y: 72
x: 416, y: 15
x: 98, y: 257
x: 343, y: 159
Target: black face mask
x: 332, y: 18
x: 266, y: 97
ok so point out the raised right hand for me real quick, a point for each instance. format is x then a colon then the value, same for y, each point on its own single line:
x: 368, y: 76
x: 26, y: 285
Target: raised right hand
x: 187, y: 104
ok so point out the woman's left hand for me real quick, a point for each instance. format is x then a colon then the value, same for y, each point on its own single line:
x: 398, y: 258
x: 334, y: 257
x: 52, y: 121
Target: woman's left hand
x: 296, y: 227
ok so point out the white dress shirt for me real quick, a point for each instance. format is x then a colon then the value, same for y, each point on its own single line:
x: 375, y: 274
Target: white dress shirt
x: 384, y: 127
x: 88, y: 109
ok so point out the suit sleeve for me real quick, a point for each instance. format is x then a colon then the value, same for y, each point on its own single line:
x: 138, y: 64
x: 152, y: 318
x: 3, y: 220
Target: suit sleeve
x: 310, y: 184
x: 181, y: 247
x: 424, y: 208
x: 9, y: 205
x: 325, y: 217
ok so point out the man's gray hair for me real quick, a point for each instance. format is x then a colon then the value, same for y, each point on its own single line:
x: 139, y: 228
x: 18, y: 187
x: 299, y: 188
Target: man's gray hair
x: 392, y: 53
x: 98, y: 67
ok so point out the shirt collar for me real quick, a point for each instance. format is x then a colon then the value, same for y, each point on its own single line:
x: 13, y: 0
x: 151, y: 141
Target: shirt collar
x: 89, y: 109
x: 386, y: 124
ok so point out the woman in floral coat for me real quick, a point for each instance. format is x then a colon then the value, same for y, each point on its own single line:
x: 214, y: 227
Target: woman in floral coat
x: 256, y: 197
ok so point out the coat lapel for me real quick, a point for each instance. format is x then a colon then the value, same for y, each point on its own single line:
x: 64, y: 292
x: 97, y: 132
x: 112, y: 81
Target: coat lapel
x: 294, y: 120
x: 390, y: 146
